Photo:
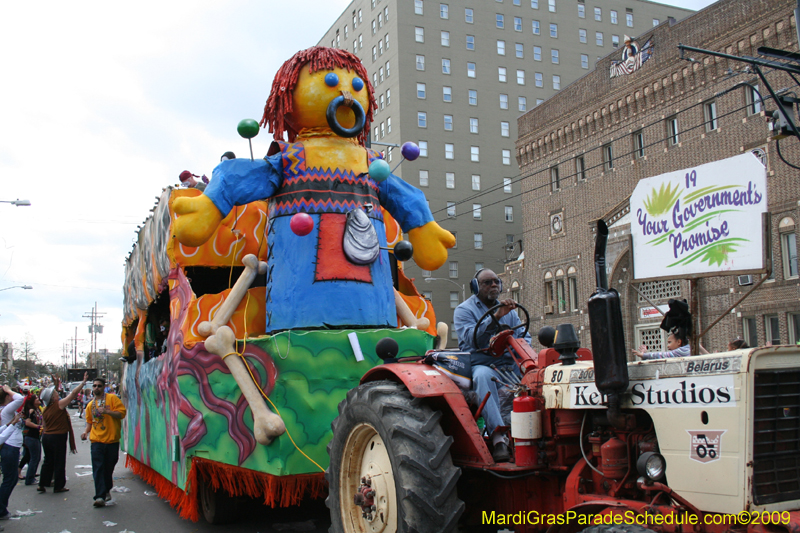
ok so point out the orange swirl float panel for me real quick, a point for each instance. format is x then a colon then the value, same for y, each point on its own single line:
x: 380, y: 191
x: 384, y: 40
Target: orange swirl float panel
x: 249, y: 319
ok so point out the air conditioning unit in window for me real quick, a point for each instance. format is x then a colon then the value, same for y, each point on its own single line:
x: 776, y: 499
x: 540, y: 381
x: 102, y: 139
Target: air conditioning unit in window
x: 548, y: 309
x: 745, y: 280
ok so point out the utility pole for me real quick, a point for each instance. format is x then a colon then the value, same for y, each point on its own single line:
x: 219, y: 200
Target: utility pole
x: 75, y: 340
x: 94, y: 329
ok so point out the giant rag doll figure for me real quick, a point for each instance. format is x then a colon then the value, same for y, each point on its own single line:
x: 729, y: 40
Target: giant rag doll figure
x: 338, y: 274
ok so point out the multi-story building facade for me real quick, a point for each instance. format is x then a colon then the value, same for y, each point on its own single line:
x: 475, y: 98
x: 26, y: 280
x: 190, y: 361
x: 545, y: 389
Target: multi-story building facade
x: 454, y: 77
x: 584, y: 151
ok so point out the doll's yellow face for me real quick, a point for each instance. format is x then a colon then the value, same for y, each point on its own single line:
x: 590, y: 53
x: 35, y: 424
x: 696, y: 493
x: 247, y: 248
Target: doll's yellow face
x: 312, y: 95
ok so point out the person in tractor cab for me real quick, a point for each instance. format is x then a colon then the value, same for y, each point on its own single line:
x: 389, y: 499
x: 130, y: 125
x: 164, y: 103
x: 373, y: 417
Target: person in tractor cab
x: 677, y: 346
x: 486, y: 287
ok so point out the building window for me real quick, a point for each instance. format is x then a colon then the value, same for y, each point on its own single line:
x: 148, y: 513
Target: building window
x: 638, y: 144
x: 373, y: 27
x: 478, y: 241
x: 468, y: 15
x: 474, y: 154
x: 388, y: 97
x: 584, y: 61
x: 519, y: 50
x: 386, y: 13
x: 423, y: 178
x: 794, y: 328
x: 522, y: 104
x: 573, y: 293
x: 598, y: 14
x: 421, y: 91
x: 505, y: 129
x: 507, y: 185
x: 450, y: 180
x: 656, y: 22
x: 500, y: 21
x: 772, y: 330
x: 449, y: 151
x: 382, y: 103
x: 380, y: 47
x: 470, y: 42
x: 428, y: 295
x: 551, y: 6
x: 613, y: 17
x: 445, y: 66
x: 520, y: 77
x: 419, y: 34
x: 454, y: 269
x: 537, y: 53
x: 503, y: 101
x: 598, y: 38
x: 554, y: 56
x: 710, y: 112
x: 789, y: 254
x: 608, y: 156
x: 473, y: 97
x: 445, y: 38
x: 582, y: 35
x: 556, y: 82
x: 539, y: 101
x: 534, y: 4
x: 444, y: 11
x: 615, y: 41
x: 501, y: 48
x: 476, y: 211
x: 453, y: 300
x: 672, y: 130
x: 555, y: 180
x: 451, y: 209
x: 470, y: 69
x: 422, y: 119
x: 580, y: 168
x: 581, y: 11
x: 509, y: 213
x: 538, y: 79
x: 629, y: 19
x: 447, y: 94
x: 560, y: 297
x: 423, y: 148
x: 382, y: 130
x: 517, y: 23
x: 535, y: 27
x: 420, y: 62
x: 548, y: 293
x: 554, y: 30
x: 473, y: 125
x: 418, y: 7
x: 448, y: 123
x: 380, y: 20
x: 501, y: 74
x: 753, y: 100
x: 380, y: 75
x: 506, y: 155
x: 750, y: 331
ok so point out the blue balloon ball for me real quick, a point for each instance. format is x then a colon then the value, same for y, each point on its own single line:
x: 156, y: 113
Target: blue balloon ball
x: 358, y: 84
x: 331, y: 79
x: 410, y: 151
x: 379, y: 170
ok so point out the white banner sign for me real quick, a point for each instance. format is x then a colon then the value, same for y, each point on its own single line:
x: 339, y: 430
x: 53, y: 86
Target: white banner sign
x: 701, y: 391
x: 701, y: 220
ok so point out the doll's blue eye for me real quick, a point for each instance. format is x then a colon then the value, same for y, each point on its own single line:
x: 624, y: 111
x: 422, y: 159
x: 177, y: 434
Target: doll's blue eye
x: 331, y: 79
x: 358, y: 84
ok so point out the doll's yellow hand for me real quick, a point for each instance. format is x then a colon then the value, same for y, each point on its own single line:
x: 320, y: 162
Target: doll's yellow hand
x: 430, y: 244
x: 198, y: 219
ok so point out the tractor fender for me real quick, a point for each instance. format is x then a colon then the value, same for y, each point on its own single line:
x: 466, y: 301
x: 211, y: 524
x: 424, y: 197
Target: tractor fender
x: 425, y: 381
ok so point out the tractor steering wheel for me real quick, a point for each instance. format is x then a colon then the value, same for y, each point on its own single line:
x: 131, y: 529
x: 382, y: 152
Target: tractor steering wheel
x: 501, y: 327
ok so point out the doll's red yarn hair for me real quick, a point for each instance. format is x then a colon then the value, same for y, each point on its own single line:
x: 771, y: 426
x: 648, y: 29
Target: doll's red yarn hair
x: 280, y: 102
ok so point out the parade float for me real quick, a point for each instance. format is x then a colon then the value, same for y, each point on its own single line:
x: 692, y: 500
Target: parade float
x: 252, y: 307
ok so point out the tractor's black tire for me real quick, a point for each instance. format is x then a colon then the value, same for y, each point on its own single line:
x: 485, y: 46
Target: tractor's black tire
x: 617, y: 528
x: 217, y: 506
x: 417, y: 458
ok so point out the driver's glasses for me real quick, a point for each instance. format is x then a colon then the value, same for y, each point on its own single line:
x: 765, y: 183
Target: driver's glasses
x: 488, y: 282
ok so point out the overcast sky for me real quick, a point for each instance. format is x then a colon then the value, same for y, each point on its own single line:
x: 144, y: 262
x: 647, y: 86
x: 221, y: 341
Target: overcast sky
x: 103, y: 104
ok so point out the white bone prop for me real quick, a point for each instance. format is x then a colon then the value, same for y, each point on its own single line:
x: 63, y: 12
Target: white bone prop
x: 221, y: 341
x: 406, y: 316
x: 441, y: 330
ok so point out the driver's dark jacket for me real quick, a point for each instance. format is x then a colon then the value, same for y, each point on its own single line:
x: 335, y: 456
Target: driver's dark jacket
x: 466, y: 317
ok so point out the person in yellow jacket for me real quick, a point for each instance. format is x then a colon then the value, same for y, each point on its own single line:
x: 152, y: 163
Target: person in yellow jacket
x: 103, y: 419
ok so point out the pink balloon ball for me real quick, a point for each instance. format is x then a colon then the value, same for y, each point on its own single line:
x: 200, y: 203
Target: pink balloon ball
x: 301, y: 224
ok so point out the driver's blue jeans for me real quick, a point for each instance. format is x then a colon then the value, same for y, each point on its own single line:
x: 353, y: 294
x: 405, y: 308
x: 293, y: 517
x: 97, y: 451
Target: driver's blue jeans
x: 482, y: 383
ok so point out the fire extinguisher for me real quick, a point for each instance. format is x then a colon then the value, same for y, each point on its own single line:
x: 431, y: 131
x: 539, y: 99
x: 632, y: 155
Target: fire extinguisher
x: 526, y: 428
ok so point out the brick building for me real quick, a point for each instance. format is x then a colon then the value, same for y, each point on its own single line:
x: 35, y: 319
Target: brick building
x: 583, y: 151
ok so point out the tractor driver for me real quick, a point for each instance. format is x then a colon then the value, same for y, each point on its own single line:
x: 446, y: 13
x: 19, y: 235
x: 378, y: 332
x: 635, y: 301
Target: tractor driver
x: 486, y: 287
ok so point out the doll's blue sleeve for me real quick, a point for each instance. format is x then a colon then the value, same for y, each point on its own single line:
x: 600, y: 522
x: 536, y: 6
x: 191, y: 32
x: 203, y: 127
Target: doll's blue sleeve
x: 240, y: 181
x: 405, y: 203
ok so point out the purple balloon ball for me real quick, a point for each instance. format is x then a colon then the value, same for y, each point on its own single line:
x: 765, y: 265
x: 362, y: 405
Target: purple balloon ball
x: 410, y: 151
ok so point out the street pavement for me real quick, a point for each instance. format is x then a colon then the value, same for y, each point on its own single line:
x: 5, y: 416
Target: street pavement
x: 137, y: 511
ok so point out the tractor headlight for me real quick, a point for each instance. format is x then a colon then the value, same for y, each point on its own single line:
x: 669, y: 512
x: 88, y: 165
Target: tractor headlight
x: 651, y: 465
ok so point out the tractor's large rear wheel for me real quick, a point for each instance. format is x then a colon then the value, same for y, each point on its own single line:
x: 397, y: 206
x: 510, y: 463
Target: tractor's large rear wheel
x: 390, y: 465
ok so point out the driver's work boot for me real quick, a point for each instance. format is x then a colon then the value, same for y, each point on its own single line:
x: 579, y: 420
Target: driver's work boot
x: 501, y: 452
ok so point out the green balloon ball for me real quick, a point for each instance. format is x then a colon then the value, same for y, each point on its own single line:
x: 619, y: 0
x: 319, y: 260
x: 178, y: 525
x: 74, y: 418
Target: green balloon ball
x: 247, y: 128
